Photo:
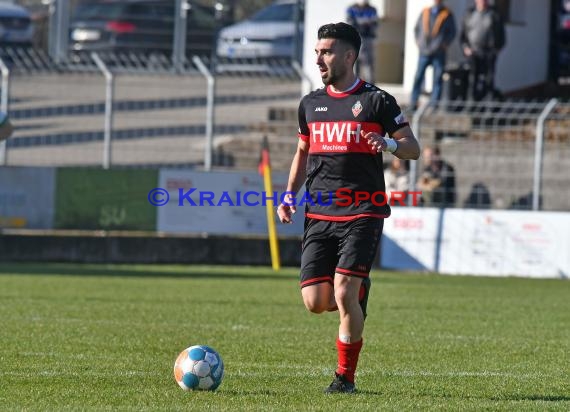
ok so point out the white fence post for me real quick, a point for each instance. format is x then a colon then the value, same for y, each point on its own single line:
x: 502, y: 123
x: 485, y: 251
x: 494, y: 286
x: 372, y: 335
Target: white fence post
x: 109, y: 94
x: 539, y: 153
x: 210, y: 117
x: 4, y: 105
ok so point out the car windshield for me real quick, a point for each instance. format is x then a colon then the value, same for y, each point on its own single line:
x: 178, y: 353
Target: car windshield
x: 98, y: 10
x: 275, y: 12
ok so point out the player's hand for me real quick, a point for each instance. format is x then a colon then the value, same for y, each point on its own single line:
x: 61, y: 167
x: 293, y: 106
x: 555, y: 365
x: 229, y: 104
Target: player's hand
x: 375, y: 140
x: 286, y: 209
x: 285, y: 213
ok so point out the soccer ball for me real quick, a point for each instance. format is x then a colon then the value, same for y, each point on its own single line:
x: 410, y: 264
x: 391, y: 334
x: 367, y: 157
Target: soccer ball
x: 199, y: 367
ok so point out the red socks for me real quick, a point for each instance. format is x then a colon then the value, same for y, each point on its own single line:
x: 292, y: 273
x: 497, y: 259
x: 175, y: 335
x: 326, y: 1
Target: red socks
x: 347, y: 358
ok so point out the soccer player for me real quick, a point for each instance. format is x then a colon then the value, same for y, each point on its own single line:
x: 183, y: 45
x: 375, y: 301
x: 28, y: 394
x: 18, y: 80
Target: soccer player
x: 342, y: 135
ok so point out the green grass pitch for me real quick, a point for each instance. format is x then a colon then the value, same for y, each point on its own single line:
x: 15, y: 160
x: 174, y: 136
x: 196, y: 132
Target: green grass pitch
x: 96, y: 337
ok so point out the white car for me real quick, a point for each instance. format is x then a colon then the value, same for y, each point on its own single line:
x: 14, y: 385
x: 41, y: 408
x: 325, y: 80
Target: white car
x: 269, y: 33
x: 16, y: 28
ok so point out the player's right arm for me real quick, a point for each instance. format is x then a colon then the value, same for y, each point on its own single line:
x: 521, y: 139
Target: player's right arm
x: 297, y: 176
x: 298, y: 172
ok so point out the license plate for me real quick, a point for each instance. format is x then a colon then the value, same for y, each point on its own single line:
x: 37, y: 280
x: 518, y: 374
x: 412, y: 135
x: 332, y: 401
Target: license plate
x: 85, y: 35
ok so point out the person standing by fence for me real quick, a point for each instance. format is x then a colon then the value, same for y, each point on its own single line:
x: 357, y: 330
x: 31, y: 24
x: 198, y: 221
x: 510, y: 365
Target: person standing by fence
x: 482, y: 38
x: 435, y: 30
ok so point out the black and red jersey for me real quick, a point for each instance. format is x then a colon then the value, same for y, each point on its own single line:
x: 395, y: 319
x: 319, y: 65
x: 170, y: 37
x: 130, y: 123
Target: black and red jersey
x: 339, y: 158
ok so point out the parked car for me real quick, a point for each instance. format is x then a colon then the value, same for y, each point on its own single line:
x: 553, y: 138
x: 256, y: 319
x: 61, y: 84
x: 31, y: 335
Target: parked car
x: 139, y: 26
x: 16, y: 28
x: 269, y: 33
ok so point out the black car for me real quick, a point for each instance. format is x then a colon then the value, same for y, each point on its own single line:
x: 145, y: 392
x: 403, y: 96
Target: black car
x: 140, y: 26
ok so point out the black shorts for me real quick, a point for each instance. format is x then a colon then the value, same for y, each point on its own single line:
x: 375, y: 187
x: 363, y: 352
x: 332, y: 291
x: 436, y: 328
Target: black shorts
x: 338, y: 247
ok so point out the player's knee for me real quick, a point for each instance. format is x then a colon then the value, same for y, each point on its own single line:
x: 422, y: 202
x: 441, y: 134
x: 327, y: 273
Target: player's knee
x: 317, y: 298
x: 342, y: 296
x: 345, y: 295
x: 315, y: 305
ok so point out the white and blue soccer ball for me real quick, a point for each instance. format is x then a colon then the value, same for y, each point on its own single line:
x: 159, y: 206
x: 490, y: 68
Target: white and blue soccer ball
x: 199, y: 367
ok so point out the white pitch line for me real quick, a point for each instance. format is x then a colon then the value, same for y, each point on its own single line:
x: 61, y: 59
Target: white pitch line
x: 461, y: 374
x: 51, y: 374
x: 291, y: 372
x: 296, y: 370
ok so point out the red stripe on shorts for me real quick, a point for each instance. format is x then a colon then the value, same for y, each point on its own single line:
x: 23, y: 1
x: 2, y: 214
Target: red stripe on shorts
x: 316, y: 280
x: 352, y: 272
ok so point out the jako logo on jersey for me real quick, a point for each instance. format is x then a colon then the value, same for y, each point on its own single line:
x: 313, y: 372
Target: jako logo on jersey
x: 357, y: 108
x: 321, y: 109
x: 400, y: 119
x: 336, y: 131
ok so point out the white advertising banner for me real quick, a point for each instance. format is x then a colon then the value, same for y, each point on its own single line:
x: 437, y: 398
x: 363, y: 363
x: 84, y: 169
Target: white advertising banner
x: 409, y: 241
x: 477, y: 242
x: 506, y: 243
x: 219, y: 203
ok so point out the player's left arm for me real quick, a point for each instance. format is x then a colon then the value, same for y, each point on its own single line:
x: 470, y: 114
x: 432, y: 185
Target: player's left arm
x: 407, y: 144
x: 402, y: 143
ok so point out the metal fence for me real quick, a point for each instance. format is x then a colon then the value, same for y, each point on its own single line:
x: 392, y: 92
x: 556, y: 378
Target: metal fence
x: 125, y: 110
x: 129, y: 111
x: 506, y: 155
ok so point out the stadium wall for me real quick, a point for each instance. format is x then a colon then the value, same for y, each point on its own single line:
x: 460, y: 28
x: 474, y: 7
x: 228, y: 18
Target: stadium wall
x: 142, y: 247
x: 106, y: 217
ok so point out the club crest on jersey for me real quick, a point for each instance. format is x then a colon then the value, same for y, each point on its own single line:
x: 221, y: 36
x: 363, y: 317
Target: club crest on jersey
x: 357, y: 108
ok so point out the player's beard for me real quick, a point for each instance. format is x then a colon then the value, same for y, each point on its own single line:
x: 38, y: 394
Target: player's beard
x: 331, y: 76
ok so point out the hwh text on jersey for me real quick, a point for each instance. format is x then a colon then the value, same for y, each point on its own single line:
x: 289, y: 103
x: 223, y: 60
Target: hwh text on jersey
x: 335, y: 132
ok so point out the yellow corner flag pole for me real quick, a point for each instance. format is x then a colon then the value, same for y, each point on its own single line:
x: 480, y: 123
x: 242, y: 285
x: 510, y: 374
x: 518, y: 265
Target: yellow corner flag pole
x: 265, y: 171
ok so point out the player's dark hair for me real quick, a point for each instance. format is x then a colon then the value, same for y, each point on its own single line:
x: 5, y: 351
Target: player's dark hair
x: 341, y: 31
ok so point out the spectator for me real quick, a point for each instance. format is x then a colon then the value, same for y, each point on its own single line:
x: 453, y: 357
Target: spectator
x: 397, y: 178
x: 434, y: 31
x: 479, y: 198
x: 364, y: 18
x: 437, y: 182
x: 482, y: 37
